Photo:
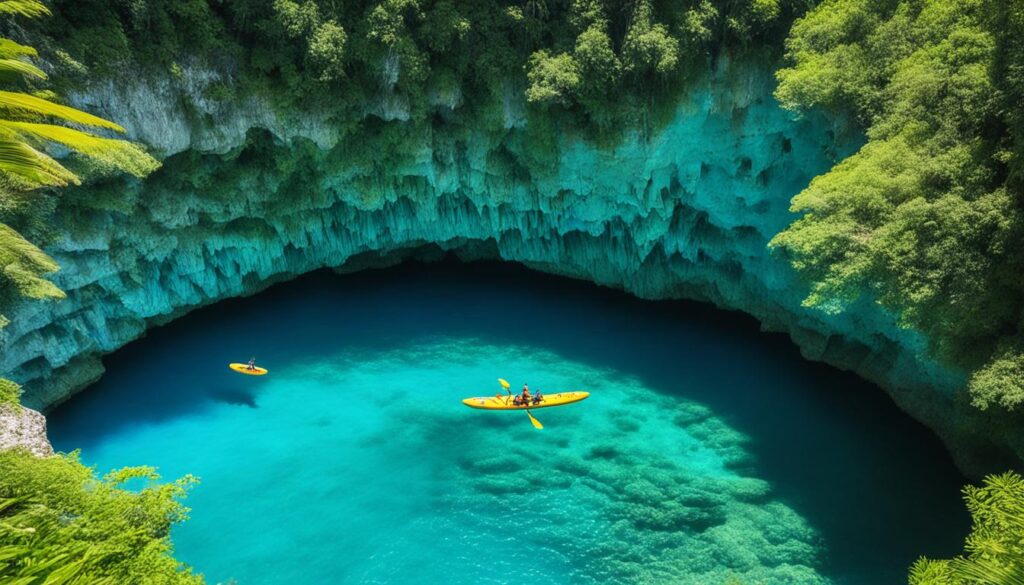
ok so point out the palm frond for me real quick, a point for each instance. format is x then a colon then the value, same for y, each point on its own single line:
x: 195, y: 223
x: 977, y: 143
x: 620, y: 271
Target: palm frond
x: 24, y: 104
x: 119, y: 154
x: 986, y: 571
x: 14, y: 248
x: 27, y: 168
x: 25, y: 135
x: 27, y: 8
x: 12, y: 68
x: 10, y: 49
x: 23, y: 265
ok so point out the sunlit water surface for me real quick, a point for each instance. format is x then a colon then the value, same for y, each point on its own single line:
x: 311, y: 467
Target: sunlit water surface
x: 707, y: 451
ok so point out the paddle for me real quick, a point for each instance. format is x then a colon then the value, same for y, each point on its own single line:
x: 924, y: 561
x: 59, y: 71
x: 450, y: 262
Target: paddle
x: 506, y: 386
x: 534, y: 421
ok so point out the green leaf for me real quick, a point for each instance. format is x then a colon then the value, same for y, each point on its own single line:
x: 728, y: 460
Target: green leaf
x: 27, y: 8
x: 24, y: 104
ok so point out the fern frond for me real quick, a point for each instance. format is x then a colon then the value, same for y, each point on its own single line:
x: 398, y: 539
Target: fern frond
x: 27, y: 168
x: 986, y: 571
x: 13, y: 68
x: 10, y: 49
x: 118, y: 154
x: 928, y: 572
x: 23, y: 265
x: 26, y: 8
x: 24, y: 104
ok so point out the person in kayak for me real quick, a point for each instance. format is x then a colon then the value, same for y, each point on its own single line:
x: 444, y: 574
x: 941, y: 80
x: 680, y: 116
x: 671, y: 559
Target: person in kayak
x: 525, y: 396
x: 252, y: 364
x: 537, y: 397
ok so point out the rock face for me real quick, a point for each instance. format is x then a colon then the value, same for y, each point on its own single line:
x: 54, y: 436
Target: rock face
x: 25, y: 429
x: 684, y: 212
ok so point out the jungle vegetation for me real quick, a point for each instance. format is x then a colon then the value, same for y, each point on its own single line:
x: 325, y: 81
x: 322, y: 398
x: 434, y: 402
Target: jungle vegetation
x: 994, y: 551
x: 605, y: 62
x: 60, y: 525
x: 926, y: 218
x: 32, y: 125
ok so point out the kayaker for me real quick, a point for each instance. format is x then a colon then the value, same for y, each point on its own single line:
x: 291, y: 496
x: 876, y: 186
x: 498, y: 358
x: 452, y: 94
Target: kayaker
x: 252, y: 364
x: 525, y: 398
x: 538, y: 397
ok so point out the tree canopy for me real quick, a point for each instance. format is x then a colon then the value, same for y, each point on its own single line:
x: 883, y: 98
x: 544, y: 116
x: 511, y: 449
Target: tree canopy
x: 599, y: 60
x: 927, y: 217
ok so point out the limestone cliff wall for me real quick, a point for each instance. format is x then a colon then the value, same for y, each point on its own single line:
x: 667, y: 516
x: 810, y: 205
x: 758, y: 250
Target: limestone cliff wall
x: 684, y: 212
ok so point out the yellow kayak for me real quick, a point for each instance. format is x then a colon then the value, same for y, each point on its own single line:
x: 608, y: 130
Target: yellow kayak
x: 505, y: 402
x: 244, y: 369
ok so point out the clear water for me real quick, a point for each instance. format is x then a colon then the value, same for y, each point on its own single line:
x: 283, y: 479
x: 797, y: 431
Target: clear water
x: 707, y: 451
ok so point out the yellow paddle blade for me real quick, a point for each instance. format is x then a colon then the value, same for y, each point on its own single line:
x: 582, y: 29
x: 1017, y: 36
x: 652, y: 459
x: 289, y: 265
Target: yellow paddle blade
x: 536, y: 423
x: 504, y: 384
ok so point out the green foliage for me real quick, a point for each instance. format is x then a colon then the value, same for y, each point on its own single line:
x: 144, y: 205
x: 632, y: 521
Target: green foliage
x: 61, y: 525
x: 100, y: 33
x: 10, y: 393
x: 23, y: 264
x: 27, y: 8
x: 923, y: 218
x: 553, y: 78
x: 299, y: 20
x: 1000, y: 381
x: 30, y: 125
x: 995, y: 548
x: 603, y: 63
x: 648, y: 49
x: 327, y: 51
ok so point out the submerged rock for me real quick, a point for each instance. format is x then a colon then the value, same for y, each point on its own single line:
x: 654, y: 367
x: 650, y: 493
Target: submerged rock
x: 683, y: 213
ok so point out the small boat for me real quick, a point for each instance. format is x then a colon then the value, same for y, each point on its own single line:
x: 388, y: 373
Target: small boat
x: 244, y: 369
x: 505, y: 402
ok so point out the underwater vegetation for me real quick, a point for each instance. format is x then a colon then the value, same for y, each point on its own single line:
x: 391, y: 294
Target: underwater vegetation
x: 651, y: 516
x: 667, y: 472
x: 662, y: 491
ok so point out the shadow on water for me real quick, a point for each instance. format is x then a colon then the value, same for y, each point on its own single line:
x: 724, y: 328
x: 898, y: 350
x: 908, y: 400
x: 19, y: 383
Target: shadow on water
x: 878, y: 486
x: 234, y: 396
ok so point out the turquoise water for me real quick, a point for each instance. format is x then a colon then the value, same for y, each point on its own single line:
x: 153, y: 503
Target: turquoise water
x: 707, y: 450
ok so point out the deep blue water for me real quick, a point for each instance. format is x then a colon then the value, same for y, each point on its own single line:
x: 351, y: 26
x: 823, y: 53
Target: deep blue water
x: 707, y: 451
